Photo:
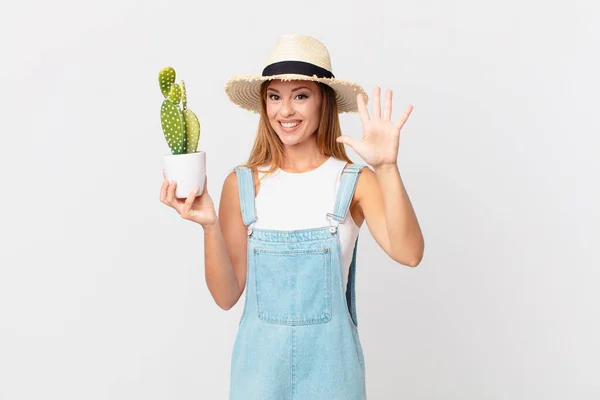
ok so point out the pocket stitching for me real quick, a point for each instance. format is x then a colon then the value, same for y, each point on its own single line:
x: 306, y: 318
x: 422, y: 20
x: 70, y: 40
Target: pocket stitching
x: 326, y: 315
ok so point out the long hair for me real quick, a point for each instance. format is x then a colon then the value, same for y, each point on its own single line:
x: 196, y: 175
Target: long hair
x: 268, y: 148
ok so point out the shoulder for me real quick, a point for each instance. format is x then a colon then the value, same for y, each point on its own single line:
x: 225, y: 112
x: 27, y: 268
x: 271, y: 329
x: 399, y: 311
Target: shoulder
x: 231, y: 177
x: 366, y: 183
x: 231, y: 182
x: 363, y: 171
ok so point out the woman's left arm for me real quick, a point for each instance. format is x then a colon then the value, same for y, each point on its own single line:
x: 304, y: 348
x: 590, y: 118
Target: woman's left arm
x: 389, y: 214
x: 381, y: 195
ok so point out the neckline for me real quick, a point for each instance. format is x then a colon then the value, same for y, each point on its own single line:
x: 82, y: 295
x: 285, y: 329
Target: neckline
x: 307, y: 172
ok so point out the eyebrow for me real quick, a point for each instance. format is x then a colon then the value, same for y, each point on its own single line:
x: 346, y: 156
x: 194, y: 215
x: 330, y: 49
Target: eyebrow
x: 293, y: 90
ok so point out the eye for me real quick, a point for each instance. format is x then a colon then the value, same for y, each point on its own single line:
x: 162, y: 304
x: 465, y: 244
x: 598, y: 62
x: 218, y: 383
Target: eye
x: 274, y: 96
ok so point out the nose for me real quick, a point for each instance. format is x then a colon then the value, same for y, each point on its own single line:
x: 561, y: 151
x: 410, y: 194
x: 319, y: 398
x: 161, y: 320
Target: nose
x: 286, y: 108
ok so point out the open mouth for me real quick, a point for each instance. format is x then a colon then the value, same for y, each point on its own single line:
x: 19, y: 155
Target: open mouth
x: 289, y: 126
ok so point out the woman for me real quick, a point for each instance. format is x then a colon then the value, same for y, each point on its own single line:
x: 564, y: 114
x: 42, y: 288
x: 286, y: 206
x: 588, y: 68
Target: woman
x: 288, y: 225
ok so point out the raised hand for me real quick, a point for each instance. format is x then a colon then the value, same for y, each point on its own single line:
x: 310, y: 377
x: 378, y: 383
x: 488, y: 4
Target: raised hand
x: 381, y: 136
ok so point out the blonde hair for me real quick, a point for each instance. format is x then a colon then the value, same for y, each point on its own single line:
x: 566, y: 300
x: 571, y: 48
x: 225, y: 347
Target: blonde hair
x: 268, y: 148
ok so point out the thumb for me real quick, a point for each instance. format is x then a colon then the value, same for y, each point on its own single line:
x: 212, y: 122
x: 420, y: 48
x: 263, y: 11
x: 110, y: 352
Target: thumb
x: 205, y: 189
x: 350, y: 141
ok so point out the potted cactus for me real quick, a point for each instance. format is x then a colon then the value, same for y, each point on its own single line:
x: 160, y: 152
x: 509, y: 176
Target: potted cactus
x: 185, y: 165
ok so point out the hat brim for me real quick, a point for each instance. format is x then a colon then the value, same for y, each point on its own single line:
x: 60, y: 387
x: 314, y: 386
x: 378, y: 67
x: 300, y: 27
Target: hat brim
x: 244, y: 90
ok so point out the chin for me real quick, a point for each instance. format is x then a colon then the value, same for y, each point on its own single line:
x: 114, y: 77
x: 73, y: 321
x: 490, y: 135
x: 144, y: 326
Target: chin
x: 288, y: 140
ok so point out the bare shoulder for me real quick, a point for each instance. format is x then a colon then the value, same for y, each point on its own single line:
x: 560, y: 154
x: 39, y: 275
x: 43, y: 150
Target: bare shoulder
x: 231, y: 183
x: 367, y: 183
x: 230, y: 180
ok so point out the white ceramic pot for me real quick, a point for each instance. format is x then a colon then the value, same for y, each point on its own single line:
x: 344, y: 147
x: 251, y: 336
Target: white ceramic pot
x: 188, y: 170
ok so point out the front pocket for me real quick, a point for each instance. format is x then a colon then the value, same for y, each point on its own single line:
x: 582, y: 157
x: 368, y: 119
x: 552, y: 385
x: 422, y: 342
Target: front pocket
x: 293, y: 287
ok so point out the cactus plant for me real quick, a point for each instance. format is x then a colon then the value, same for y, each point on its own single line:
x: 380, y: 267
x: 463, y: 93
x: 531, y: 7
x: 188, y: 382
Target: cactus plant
x: 180, y: 125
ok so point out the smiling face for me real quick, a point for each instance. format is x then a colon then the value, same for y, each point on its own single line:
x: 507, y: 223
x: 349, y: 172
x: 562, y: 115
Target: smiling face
x: 293, y: 109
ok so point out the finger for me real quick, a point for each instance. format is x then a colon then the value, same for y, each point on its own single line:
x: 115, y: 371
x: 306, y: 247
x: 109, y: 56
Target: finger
x: 187, y: 205
x: 387, y: 111
x: 171, y: 197
x: 376, y: 102
x: 170, y: 189
x: 348, y: 140
x: 163, y: 191
x: 362, y: 108
x: 404, y: 117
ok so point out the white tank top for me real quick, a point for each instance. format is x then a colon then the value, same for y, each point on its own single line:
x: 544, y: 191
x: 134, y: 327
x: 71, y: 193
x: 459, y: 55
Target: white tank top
x: 290, y: 201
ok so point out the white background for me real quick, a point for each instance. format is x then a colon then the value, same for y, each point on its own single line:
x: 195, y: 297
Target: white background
x: 102, y: 290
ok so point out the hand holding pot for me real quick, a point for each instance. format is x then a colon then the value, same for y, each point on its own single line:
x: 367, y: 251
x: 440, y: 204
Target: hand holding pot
x: 200, y: 209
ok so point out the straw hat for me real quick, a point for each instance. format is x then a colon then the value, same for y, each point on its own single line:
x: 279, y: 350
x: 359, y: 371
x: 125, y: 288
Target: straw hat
x: 294, y: 57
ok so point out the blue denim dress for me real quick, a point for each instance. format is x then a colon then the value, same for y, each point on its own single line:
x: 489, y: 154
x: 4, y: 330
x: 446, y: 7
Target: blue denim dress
x: 297, y: 337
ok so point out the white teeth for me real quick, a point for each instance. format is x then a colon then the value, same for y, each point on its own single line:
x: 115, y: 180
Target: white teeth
x: 289, y: 125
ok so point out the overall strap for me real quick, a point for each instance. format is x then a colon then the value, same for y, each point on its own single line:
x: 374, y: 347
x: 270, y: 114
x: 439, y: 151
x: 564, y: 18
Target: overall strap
x: 246, y: 191
x: 346, y: 191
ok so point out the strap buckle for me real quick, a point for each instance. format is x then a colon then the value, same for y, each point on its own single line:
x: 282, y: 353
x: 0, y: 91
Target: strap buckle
x: 333, y: 225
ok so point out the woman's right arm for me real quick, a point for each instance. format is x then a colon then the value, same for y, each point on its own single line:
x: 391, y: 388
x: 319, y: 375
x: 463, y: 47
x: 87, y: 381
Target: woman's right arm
x: 225, y: 247
x: 225, y: 238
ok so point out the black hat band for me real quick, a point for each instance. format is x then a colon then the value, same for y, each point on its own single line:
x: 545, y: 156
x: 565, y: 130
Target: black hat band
x: 296, y: 67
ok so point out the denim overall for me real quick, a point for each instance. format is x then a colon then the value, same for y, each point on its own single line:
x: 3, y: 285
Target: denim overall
x: 297, y: 336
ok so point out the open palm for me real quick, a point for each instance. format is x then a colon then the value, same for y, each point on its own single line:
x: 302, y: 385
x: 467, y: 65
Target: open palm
x: 381, y: 136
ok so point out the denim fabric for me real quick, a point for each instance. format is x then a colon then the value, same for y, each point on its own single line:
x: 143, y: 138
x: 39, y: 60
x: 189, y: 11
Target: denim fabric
x: 297, y: 337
